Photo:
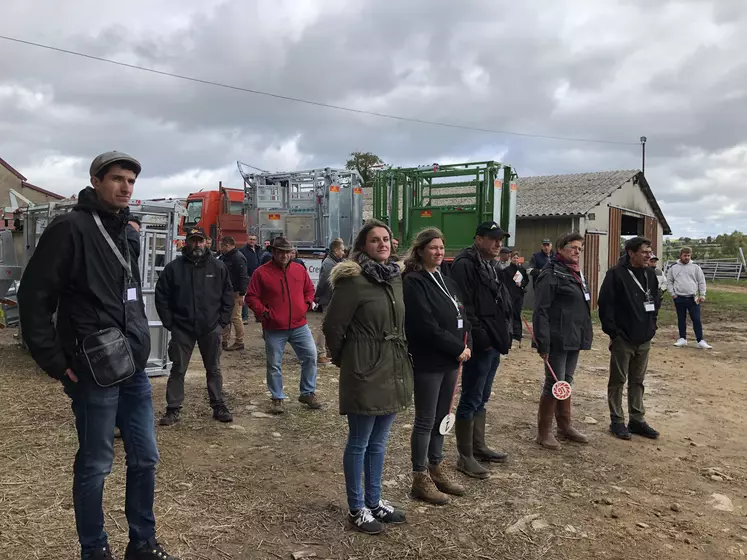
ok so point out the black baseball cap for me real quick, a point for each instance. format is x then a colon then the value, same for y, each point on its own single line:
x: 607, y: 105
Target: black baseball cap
x: 490, y: 229
x: 546, y: 242
x: 196, y: 232
x: 506, y: 250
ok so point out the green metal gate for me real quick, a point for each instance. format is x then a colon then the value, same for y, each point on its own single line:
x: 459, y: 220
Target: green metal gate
x: 454, y: 198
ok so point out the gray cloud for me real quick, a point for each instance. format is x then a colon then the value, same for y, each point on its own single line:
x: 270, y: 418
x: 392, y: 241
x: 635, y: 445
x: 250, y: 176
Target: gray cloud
x: 674, y: 71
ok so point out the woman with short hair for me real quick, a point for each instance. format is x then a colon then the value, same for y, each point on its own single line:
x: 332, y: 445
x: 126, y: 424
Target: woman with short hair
x: 436, y: 329
x: 562, y: 328
x: 365, y: 331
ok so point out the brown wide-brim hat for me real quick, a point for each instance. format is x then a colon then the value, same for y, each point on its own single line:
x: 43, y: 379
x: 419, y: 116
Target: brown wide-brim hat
x: 281, y: 244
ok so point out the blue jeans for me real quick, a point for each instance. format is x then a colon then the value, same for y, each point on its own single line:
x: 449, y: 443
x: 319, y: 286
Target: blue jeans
x: 245, y: 313
x: 302, y: 342
x: 685, y: 305
x: 477, y: 382
x: 97, y: 410
x: 366, y: 449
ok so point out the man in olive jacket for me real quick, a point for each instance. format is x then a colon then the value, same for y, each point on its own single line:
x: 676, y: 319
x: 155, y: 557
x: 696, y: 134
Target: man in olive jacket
x: 489, y: 311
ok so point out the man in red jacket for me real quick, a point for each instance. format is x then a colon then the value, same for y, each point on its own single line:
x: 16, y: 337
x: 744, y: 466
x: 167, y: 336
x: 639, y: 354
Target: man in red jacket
x: 280, y: 294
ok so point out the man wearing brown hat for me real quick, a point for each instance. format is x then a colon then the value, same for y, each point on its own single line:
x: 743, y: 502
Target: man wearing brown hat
x: 85, y: 269
x: 280, y: 294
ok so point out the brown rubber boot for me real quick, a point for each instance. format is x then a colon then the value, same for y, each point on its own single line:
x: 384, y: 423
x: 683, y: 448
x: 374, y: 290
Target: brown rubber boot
x: 424, y: 489
x: 545, y: 438
x: 481, y: 450
x: 443, y: 482
x: 463, y: 429
x: 565, y: 427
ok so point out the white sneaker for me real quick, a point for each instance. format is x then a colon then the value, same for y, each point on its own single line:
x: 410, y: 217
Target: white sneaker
x: 704, y: 345
x: 681, y: 342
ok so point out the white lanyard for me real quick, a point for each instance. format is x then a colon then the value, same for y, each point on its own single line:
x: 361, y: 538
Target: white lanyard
x: 646, y: 291
x: 445, y: 290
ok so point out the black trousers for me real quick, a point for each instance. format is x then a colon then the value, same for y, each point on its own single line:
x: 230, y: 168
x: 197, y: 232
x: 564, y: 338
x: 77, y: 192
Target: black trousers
x: 181, y: 346
x: 433, y: 392
x: 518, y: 302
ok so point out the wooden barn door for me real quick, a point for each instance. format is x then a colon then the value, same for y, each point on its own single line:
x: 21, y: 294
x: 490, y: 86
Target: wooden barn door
x: 651, y: 231
x: 591, y: 266
x: 615, y: 230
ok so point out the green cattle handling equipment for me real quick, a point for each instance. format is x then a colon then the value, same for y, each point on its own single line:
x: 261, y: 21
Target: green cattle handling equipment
x: 454, y: 198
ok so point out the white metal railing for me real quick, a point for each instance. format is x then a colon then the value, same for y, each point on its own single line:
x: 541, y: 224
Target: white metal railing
x: 733, y: 268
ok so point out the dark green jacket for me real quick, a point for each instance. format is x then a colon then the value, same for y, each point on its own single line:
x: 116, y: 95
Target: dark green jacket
x: 365, y: 331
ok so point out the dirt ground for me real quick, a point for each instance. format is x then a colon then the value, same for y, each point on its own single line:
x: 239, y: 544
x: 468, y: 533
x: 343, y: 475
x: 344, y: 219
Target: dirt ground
x: 269, y: 487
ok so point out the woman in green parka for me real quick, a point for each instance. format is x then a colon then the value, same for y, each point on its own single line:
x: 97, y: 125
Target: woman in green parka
x: 365, y: 331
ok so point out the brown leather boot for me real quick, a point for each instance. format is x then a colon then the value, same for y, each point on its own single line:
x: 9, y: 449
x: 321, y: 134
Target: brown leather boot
x: 442, y: 481
x: 545, y: 438
x: 463, y: 429
x: 424, y: 489
x: 565, y: 428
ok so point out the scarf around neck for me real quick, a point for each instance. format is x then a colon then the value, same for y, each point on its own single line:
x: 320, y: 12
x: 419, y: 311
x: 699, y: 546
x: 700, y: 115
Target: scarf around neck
x: 575, y: 267
x: 381, y: 273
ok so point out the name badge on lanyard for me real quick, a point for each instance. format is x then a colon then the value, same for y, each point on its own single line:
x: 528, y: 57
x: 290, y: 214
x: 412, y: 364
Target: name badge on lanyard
x: 648, y: 305
x: 445, y: 290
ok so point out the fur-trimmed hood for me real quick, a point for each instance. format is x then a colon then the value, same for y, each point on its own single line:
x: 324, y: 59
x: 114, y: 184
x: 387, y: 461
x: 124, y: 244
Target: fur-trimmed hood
x: 350, y: 269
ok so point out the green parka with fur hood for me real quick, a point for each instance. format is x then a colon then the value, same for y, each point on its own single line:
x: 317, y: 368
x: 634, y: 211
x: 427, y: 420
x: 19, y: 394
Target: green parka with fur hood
x: 365, y: 331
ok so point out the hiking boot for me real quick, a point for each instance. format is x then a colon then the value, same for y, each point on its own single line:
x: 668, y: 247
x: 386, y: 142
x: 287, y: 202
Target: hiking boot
x: 703, y: 345
x: 640, y: 428
x: 424, y: 489
x: 103, y: 553
x: 545, y: 414
x: 149, y: 551
x: 565, y: 426
x: 172, y: 416
x: 277, y: 406
x: 387, y: 513
x: 442, y: 480
x: 363, y: 521
x: 463, y: 428
x: 323, y: 361
x: 235, y: 346
x: 481, y: 451
x: 681, y: 342
x: 222, y: 414
x: 310, y: 400
x: 619, y: 430
x: 117, y: 433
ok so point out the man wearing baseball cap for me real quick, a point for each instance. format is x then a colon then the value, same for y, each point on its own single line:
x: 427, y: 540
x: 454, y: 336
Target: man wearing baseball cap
x: 194, y: 299
x: 85, y: 269
x: 487, y: 304
x: 540, y: 259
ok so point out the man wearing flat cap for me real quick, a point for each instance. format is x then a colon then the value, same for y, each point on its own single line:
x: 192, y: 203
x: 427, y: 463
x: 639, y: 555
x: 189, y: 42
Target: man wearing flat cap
x: 540, y: 259
x: 280, y: 294
x: 85, y: 268
x: 487, y: 303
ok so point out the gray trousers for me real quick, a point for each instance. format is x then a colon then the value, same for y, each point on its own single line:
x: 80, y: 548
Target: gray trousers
x: 564, y: 365
x: 433, y: 392
x: 181, y: 346
x: 628, y: 362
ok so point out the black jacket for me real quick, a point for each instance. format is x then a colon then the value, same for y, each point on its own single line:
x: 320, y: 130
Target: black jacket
x: 193, y: 296
x: 621, y: 303
x: 562, y: 315
x: 434, y: 338
x: 253, y: 258
x: 538, y: 262
x: 236, y: 264
x: 486, y: 300
x: 516, y: 291
x: 323, y: 290
x: 74, y: 272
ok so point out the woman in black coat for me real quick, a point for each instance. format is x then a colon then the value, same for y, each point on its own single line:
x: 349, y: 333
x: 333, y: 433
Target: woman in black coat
x: 562, y: 327
x: 436, y: 326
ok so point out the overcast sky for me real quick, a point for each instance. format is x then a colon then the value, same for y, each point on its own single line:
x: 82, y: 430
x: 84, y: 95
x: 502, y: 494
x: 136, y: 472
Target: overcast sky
x: 674, y: 71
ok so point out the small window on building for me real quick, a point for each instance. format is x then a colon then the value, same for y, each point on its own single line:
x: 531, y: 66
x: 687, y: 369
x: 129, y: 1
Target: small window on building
x: 591, y: 216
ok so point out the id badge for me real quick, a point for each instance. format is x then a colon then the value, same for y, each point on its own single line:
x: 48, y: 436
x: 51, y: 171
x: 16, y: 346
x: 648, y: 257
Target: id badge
x: 460, y: 323
x: 587, y: 296
x: 130, y: 292
x: 649, y: 307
